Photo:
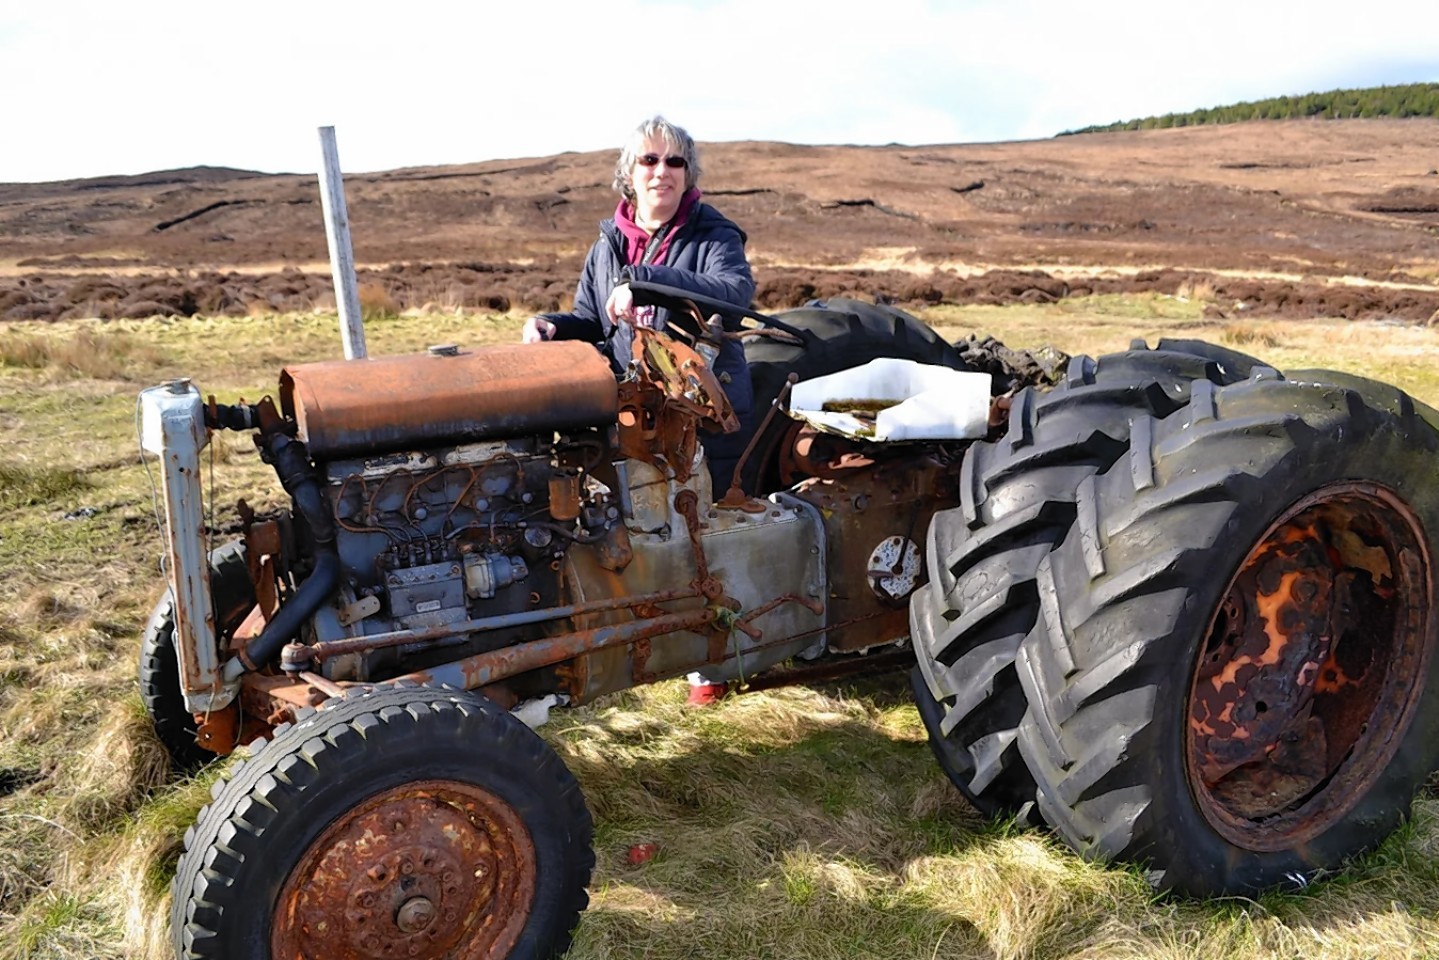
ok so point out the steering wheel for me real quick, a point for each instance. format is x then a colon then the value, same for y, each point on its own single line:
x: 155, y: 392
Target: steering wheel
x: 679, y: 303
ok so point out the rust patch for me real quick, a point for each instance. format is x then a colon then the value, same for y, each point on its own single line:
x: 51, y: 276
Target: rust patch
x: 687, y: 506
x: 269, y: 700
x: 813, y: 606
x: 661, y: 411
x: 639, y: 658
x: 864, y: 503
x: 415, y: 401
x: 1311, y: 663
x: 814, y: 453
x: 436, y: 868
x: 486, y: 668
x: 250, y: 628
x: 263, y: 549
x: 565, y: 495
x: 219, y: 730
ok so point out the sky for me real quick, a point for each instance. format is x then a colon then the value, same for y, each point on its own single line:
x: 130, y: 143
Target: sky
x: 93, y: 88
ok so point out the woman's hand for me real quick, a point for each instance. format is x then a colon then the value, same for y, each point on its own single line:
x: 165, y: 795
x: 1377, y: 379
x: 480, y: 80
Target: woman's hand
x: 621, y: 304
x: 537, y: 329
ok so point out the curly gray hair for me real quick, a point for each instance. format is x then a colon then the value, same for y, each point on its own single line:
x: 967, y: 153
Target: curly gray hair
x: 680, y: 144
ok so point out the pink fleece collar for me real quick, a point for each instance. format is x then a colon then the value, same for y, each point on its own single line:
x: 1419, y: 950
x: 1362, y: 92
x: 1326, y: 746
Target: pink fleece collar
x: 635, y: 237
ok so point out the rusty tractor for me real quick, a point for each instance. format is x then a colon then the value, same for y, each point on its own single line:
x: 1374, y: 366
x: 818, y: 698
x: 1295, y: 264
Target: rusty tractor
x: 1176, y: 606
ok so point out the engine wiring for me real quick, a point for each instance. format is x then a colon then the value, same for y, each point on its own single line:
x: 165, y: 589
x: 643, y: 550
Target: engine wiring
x: 500, y: 528
x: 360, y: 528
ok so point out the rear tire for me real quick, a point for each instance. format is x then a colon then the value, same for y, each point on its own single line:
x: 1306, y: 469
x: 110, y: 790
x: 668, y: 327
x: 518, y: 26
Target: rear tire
x: 839, y: 334
x: 1017, y: 502
x: 1227, y: 681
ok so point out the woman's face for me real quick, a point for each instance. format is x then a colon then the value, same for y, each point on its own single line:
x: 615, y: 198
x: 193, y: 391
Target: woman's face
x: 658, y: 188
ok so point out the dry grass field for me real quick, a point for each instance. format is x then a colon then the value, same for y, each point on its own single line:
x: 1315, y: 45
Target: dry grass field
x: 799, y: 823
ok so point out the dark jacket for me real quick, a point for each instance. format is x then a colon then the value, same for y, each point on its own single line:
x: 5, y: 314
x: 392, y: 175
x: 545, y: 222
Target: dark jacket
x: 706, y: 256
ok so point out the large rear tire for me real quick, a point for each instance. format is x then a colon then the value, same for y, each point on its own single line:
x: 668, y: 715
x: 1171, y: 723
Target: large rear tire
x: 407, y: 821
x: 1017, y: 502
x: 838, y: 335
x: 175, y: 727
x: 1227, y: 681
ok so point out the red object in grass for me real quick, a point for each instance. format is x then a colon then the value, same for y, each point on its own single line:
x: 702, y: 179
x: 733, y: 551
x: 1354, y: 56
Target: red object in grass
x: 642, y: 853
x: 704, y: 694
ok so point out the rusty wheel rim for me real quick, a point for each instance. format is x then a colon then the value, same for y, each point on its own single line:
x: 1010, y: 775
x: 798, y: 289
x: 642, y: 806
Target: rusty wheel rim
x: 1311, y: 667
x: 430, y: 869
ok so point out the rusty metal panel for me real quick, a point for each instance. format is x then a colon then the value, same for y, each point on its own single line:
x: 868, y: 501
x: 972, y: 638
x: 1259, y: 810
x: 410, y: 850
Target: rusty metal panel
x: 393, y: 403
x: 772, y: 564
x: 876, y: 518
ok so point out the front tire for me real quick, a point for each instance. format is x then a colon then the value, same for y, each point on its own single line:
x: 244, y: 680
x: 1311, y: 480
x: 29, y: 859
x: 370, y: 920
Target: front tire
x: 426, y: 821
x: 1228, y: 678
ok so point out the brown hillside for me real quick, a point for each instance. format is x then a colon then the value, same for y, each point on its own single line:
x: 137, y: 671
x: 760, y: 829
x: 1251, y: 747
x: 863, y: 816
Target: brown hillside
x: 1274, y: 212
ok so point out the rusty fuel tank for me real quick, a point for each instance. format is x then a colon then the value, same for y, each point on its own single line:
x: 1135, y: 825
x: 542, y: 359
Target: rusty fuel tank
x: 346, y: 407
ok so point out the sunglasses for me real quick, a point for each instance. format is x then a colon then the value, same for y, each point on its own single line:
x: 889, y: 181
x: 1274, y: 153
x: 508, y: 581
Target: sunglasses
x: 650, y: 159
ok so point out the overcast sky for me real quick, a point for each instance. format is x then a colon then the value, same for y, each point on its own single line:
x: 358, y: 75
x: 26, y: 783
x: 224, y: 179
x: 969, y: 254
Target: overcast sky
x: 93, y: 88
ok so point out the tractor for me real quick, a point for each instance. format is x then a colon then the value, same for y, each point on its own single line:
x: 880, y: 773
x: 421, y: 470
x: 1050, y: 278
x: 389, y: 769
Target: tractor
x: 1175, y: 606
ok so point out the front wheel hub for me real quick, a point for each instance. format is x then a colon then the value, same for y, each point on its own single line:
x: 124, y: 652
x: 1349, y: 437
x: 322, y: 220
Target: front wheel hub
x: 430, y: 869
x: 415, y: 915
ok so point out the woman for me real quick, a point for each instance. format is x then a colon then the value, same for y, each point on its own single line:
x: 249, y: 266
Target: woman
x: 662, y: 233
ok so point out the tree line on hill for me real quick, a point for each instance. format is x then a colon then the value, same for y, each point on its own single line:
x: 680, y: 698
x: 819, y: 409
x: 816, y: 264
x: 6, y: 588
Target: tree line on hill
x: 1407, y: 100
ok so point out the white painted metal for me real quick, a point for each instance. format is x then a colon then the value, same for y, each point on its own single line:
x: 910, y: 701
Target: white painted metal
x: 342, y: 257
x: 893, y: 568
x: 173, y: 428
x: 929, y: 402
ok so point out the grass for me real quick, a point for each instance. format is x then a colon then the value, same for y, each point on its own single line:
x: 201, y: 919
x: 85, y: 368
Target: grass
x: 22, y: 486
x: 74, y: 351
x: 1407, y: 356
x: 793, y: 823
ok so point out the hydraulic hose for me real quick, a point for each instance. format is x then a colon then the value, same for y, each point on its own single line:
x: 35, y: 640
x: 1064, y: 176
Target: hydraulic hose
x: 292, y: 464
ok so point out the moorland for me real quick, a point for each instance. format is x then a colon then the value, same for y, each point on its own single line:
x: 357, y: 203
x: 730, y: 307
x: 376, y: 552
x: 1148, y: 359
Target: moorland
x: 803, y: 822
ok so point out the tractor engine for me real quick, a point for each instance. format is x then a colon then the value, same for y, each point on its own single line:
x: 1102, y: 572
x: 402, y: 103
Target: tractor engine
x: 456, y: 534
x: 514, y: 520
x: 454, y: 484
x: 570, y: 502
